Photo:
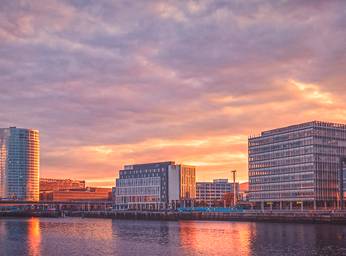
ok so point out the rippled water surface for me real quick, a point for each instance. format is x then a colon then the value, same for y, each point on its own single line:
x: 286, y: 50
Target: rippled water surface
x: 75, y: 236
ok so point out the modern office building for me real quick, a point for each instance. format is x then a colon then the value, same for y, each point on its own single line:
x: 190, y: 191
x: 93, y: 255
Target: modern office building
x: 214, y: 193
x: 300, y: 165
x: 187, y: 181
x: 243, y: 191
x: 60, y: 184
x: 19, y: 164
x: 155, y: 186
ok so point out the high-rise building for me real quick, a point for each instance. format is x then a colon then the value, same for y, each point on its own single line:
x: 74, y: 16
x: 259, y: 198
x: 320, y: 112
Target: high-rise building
x: 19, y: 164
x: 154, y: 185
x: 299, y: 165
x: 213, y: 193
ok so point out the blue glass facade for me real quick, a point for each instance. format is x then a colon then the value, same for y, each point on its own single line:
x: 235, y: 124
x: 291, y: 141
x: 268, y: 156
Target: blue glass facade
x: 19, y: 164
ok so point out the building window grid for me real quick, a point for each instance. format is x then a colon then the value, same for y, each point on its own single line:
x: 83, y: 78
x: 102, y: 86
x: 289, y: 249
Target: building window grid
x: 327, y: 148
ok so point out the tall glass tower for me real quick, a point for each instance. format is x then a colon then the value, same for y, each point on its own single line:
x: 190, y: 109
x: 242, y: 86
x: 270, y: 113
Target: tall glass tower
x: 19, y: 164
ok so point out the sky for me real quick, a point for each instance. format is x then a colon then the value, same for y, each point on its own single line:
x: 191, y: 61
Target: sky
x: 110, y: 83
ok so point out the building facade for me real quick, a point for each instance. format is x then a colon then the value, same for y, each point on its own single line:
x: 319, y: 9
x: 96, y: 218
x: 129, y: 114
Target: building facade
x: 60, y: 184
x: 214, y: 193
x: 87, y: 194
x: 243, y: 191
x: 187, y: 175
x: 19, y: 164
x: 298, y: 165
x: 154, y: 185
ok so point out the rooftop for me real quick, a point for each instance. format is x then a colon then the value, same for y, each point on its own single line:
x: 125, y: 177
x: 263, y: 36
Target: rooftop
x: 300, y: 126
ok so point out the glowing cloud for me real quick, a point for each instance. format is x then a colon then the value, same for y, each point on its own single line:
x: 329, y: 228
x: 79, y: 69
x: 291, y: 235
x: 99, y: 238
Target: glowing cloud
x: 109, y: 83
x: 313, y: 92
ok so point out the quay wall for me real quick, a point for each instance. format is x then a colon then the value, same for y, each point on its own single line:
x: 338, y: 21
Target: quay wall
x: 25, y: 214
x: 287, y: 217
x: 337, y: 218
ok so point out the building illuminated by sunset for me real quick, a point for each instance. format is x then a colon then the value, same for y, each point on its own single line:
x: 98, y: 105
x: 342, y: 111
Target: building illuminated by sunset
x: 60, y: 184
x: 155, y: 185
x: 187, y: 181
x: 213, y: 193
x: 19, y: 164
x: 66, y: 190
x: 86, y: 194
x: 299, y: 165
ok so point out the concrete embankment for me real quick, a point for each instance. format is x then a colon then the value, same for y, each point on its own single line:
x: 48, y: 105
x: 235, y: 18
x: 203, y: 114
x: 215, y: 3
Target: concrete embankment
x: 21, y: 214
x: 288, y: 217
x: 296, y: 217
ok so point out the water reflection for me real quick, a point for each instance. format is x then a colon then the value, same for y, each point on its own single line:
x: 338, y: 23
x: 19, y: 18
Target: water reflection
x: 148, y: 237
x: 34, y: 236
x: 20, y: 237
x: 75, y: 236
x: 298, y: 239
x: 216, y: 238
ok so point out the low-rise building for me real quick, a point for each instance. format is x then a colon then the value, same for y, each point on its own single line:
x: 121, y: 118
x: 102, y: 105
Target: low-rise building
x: 88, y: 194
x: 215, y: 193
x: 60, y: 184
x: 243, y: 191
x: 152, y: 186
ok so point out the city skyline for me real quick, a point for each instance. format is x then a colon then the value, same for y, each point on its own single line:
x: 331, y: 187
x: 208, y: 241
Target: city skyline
x: 109, y: 84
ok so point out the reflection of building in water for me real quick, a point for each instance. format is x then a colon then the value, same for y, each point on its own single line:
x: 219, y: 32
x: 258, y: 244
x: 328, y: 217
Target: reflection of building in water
x: 34, y: 236
x: 301, y: 239
x: 146, y: 237
x: 216, y: 238
x: 92, y: 230
x: 20, y: 237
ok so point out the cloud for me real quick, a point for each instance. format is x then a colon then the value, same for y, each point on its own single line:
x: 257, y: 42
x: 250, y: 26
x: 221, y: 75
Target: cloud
x: 113, y: 82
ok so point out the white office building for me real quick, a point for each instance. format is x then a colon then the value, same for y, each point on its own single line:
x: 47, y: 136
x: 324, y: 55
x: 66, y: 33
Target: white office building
x: 155, y: 186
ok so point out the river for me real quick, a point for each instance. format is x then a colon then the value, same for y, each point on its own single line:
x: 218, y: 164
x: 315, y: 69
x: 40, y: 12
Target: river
x: 76, y: 236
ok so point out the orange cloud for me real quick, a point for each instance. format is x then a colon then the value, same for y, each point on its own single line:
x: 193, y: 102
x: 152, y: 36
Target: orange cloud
x: 112, y: 83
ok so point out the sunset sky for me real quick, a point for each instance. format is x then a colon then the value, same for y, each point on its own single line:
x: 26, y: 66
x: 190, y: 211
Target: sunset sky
x: 113, y: 83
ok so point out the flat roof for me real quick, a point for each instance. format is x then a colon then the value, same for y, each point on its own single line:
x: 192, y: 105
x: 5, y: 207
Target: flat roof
x: 300, y: 126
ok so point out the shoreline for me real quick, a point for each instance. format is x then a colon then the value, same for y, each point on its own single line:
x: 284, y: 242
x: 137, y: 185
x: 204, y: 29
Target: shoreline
x: 270, y: 217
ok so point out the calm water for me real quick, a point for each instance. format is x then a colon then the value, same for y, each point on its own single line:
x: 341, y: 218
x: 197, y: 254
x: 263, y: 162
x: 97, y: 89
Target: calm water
x: 74, y: 236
